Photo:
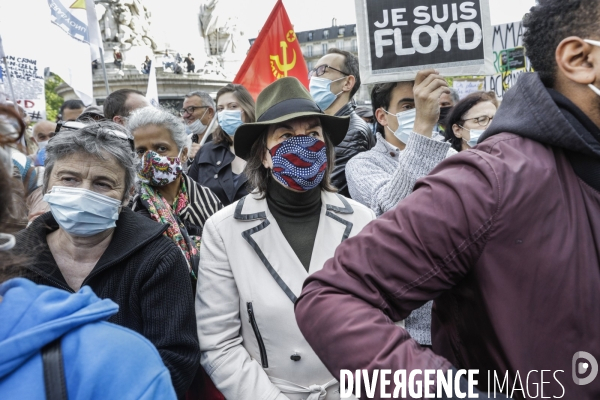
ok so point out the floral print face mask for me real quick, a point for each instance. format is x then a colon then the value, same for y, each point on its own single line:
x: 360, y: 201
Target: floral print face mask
x: 157, y: 170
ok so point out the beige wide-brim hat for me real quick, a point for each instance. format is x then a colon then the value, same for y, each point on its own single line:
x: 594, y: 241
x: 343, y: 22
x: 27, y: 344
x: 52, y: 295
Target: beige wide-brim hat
x: 283, y: 100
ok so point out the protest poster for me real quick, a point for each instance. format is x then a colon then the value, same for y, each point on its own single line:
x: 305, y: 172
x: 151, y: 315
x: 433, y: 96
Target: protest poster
x: 28, y: 83
x: 465, y: 87
x: 510, y: 58
x: 400, y: 37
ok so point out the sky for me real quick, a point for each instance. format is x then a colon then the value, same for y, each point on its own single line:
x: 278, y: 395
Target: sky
x: 175, y: 20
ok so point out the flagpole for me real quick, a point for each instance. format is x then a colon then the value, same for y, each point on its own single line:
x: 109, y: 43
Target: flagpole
x: 10, y: 85
x: 104, y: 72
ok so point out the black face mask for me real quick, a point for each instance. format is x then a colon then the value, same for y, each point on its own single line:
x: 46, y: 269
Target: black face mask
x: 444, y: 111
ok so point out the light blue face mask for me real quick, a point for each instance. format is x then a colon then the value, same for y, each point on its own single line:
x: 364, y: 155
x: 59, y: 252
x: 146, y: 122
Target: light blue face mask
x: 81, y: 212
x: 406, y: 124
x: 475, y: 135
x: 229, y: 120
x: 320, y: 90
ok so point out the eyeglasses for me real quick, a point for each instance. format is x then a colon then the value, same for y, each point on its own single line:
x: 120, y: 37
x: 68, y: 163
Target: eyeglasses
x: 321, y: 69
x: 481, y: 121
x: 63, y: 126
x: 190, y: 110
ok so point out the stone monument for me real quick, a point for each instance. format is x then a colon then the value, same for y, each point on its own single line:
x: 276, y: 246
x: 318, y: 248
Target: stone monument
x: 126, y: 27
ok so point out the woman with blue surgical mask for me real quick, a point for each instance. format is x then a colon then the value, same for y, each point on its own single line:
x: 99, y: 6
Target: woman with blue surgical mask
x: 216, y: 165
x: 469, y: 119
x: 91, y: 238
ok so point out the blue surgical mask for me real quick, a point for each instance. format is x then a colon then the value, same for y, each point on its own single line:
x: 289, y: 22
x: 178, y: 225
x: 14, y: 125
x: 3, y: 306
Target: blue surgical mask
x: 406, y: 124
x: 320, y: 90
x: 229, y: 120
x: 81, y: 212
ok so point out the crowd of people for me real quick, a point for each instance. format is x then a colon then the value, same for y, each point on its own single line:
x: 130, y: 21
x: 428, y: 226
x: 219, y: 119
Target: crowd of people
x: 250, y: 249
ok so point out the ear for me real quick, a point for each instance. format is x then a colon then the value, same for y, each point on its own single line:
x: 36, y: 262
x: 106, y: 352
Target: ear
x: 457, y: 131
x: 184, y: 154
x: 117, y: 119
x: 211, y: 112
x: 267, y: 160
x: 380, y: 114
x: 350, y: 82
x: 575, y: 60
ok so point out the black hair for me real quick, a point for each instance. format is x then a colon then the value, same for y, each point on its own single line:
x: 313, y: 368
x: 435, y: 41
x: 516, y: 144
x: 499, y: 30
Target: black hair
x: 381, y: 95
x: 456, y: 115
x: 71, y: 105
x: 551, y: 21
x: 115, y: 103
x: 350, y: 67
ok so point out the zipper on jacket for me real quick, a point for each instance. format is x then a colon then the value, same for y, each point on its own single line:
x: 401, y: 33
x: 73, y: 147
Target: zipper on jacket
x: 261, y: 345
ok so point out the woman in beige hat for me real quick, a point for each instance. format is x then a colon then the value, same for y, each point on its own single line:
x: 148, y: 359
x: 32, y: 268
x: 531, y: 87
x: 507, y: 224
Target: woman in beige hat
x: 257, y: 252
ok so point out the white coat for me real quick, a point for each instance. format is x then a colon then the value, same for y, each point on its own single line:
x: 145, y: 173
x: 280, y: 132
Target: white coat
x: 248, y: 280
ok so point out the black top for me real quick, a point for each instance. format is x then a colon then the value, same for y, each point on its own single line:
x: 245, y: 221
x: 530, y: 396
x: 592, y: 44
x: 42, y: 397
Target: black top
x: 212, y: 168
x: 358, y: 139
x: 142, y: 271
x: 297, y: 214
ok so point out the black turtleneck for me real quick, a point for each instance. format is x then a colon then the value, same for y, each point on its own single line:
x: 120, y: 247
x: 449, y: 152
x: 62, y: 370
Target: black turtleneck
x: 297, y: 214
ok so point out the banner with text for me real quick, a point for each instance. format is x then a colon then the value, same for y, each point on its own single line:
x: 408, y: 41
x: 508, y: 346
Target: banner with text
x: 28, y: 83
x: 510, y: 59
x: 400, y: 37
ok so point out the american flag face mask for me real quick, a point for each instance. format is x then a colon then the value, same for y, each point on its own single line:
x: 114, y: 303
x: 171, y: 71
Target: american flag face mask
x: 300, y: 162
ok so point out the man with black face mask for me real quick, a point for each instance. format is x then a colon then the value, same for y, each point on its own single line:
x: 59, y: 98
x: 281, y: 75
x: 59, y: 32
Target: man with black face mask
x: 447, y: 101
x: 504, y: 236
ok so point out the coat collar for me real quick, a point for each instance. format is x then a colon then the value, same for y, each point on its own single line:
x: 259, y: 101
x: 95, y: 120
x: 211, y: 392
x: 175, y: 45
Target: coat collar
x: 133, y: 231
x: 276, y: 254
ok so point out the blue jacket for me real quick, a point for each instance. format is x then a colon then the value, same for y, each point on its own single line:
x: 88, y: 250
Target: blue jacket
x: 102, y: 360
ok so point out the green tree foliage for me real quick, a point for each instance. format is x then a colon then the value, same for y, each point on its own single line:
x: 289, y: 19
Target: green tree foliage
x: 53, y: 100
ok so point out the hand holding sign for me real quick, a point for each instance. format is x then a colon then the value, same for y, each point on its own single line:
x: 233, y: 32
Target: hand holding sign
x: 429, y: 87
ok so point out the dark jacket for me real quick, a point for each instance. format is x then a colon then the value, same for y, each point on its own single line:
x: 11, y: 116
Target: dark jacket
x: 145, y: 274
x: 212, y: 168
x: 505, y: 237
x: 358, y: 139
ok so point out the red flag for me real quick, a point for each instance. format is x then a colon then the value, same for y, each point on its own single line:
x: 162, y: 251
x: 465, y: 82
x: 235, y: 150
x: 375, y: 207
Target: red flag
x: 275, y: 53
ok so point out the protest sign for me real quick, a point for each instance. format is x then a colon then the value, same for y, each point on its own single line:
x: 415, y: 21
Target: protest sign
x: 510, y: 59
x: 400, y: 37
x: 465, y: 87
x: 28, y: 83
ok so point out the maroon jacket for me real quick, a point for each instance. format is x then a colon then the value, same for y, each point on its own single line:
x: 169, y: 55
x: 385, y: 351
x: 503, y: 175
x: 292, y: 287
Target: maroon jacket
x: 505, y: 238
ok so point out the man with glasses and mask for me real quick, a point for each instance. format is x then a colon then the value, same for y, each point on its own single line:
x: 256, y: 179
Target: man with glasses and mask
x: 333, y: 83
x: 504, y: 236
x: 197, y: 112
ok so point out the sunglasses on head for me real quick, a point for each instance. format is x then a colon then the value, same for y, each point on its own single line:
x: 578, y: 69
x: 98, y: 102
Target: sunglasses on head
x: 64, y: 126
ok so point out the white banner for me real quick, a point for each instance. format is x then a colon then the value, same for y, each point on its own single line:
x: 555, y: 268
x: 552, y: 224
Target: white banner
x: 397, y: 38
x: 509, y: 58
x: 28, y: 82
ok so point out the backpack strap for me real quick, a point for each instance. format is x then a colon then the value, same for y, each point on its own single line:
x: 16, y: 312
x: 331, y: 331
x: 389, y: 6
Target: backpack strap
x: 54, y: 371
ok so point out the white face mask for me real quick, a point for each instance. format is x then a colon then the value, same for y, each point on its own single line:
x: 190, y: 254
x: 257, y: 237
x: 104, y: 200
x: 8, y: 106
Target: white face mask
x: 42, y: 145
x: 474, y: 134
x: 197, y: 126
x: 406, y: 124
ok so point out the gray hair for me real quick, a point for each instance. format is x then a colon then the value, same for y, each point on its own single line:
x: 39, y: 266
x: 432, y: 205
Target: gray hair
x: 205, y: 97
x: 454, y: 95
x: 99, y: 140
x: 160, y: 117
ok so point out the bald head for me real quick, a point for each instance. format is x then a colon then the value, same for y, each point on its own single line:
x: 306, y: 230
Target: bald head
x: 43, y: 130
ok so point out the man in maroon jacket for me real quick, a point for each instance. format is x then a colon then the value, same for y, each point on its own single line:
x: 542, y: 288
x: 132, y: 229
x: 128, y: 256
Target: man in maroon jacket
x: 504, y: 237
